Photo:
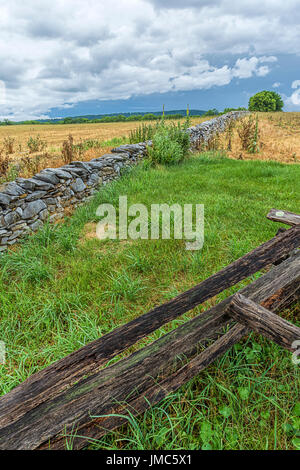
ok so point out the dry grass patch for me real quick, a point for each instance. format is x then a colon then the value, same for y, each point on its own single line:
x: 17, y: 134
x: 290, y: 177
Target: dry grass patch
x: 14, y: 142
x: 279, y: 139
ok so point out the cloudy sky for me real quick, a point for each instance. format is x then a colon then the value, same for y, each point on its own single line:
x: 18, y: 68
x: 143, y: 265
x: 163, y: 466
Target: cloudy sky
x: 72, y: 57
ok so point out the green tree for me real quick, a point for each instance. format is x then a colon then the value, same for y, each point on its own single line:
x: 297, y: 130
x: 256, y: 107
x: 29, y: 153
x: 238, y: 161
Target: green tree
x: 212, y: 112
x: 265, y: 101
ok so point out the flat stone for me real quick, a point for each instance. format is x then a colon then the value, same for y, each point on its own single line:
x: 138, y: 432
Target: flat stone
x: 36, y: 195
x: 5, y: 199
x: 48, y: 177
x: 62, y: 174
x: 14, y: 189
x: 50, y: 201
x: 26, y: 183
x: 5, y: 232
x: 34, y: 208
x: 42, y: 185
x: 11, y: 218
x: 15, y: 235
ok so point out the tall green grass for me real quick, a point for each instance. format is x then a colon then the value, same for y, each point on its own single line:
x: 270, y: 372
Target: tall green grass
x: 61, y: 289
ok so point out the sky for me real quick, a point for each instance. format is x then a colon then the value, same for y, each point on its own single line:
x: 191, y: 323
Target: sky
x: 74, y: 57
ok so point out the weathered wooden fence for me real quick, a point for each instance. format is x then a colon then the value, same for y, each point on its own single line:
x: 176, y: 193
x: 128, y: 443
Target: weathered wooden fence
x: 78, y: 399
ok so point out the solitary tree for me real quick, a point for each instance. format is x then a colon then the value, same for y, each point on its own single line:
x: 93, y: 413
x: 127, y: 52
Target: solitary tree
x: 265, y: 101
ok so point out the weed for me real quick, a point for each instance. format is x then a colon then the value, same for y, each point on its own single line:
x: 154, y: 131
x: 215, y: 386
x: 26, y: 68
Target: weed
x: 68, y: 152
x: 4, y: 163
x: 36, y: 144
x: 249, y: 134
x: 9, y: 143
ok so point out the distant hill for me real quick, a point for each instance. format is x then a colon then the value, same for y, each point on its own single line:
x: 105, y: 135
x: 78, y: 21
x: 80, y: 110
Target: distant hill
x: 94, y: 117
x: 115, y: 117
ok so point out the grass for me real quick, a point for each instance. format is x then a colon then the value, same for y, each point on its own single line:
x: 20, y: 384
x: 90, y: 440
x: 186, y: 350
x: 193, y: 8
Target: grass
x: 63, y: 288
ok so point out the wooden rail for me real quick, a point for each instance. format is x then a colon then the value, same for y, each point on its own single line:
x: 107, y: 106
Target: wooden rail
x: 69, y: 396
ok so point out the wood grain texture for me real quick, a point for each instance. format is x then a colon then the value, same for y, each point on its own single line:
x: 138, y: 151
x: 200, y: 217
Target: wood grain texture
x: 288, y: 218
x: 131, y: 377
x: 263, y: 321
x: 61, y: 375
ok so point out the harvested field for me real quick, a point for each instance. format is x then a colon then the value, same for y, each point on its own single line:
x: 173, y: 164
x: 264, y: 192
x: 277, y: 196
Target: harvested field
x: 279, y: 139
x: 108, y: 135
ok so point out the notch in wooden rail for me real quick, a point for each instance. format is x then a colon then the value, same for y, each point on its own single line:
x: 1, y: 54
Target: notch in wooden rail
x: 288, y: 218
x: 261, y: 320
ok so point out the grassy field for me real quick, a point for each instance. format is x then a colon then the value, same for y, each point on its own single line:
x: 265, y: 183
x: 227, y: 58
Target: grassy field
x: 63, y: 288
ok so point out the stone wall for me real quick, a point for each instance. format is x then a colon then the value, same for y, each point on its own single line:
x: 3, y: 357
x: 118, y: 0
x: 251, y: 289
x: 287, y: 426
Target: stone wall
x: 26, y: 203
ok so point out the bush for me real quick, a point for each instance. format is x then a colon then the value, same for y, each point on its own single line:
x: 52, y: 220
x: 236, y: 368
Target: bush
x: 170, y: 144
x: 36, y: 144
x: 266, y: 101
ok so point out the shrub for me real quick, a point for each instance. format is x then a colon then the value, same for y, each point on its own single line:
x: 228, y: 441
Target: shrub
x: 266, y: 101
x: 36, y: 144
x: 170, y: 144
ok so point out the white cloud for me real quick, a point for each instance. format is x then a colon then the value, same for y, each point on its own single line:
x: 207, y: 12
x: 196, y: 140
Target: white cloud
x: 276, y: 85
x: 293, y: 102
x: 56, y: 53
x: 296, y: 84
x: 294, y: 99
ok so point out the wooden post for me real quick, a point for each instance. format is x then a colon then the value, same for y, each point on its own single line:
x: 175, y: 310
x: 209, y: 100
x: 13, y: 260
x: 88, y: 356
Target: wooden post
x: 263, y: 321
x: 288, y: 218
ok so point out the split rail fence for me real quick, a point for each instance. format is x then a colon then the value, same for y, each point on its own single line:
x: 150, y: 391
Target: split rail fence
x: 78, y: 400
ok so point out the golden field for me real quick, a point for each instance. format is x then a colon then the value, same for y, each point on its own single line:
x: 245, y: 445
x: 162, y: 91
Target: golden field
x: 279, y: 139
x: 55, y: 134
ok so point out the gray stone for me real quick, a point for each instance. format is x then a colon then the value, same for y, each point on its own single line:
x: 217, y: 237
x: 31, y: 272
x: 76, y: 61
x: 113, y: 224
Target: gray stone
x: 78, y: 185
x: 15, y: 235
x: 19, y: 211
x: 26, y: 183
x: 5, y: 199
x: 11, y: 218
x: 14, y: 190
x: 47, y: 177
x: 34, y: 208
x: 43, y: 214
x: 4, y: 232
x: 50, y: 201
x: 65, y: 175
x: 36, y: 225
x: 84, y: 165
x: 36, y: 195
x: 42, y: 185
x: 94, y: 180
x: 96, y: 165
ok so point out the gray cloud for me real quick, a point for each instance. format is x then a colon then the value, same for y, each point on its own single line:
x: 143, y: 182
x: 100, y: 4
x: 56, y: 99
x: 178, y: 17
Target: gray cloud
x: 54, y: 52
